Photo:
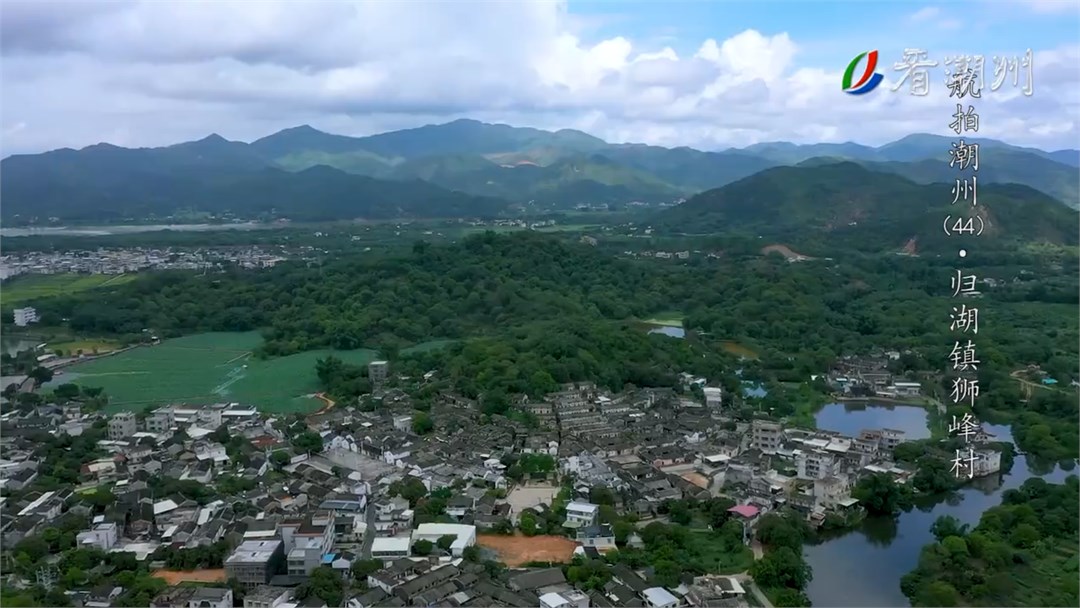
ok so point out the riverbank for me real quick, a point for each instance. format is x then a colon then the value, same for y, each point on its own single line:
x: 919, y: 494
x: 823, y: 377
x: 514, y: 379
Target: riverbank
x: 863, y: 566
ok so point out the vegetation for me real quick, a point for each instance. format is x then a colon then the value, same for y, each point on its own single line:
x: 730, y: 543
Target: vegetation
x: 1022, y: 553
x: 782, y: 573
x: 36, y: 286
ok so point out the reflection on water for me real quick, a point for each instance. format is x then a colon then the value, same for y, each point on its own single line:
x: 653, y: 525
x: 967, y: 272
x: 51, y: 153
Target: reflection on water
x: 669, y: 330
x: 863, y: 567
x: 852, y: 417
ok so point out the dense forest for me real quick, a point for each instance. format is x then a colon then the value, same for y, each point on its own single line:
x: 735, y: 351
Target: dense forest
x: 1022, y: 553
x: 520, y: 313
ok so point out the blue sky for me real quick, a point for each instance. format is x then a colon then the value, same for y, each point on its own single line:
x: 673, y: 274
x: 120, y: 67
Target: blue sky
x: 710, y: 75
x: 833, y: 32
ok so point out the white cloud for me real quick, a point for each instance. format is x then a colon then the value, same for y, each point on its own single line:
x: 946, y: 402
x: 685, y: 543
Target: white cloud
x: 925, y: 14
x: 153, y: 73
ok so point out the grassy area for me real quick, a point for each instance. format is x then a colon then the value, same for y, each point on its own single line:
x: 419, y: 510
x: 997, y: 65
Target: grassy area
x: 709, y: 550
x: 738, y: 349
x: 36, y: 286
x: 72, y: 347
x: 424, y: 347
x: 668, y: 318
x: 1049, y: 580
x: 207, y: 368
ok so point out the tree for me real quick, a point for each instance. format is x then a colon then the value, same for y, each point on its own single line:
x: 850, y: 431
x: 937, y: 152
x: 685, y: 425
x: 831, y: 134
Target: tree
x: 411, y: 489
x: 781, y: 567
x: 41, y: 375
x: 422, y: 423
x: 280, y: 458
x: 66, y: 391
x: 324, y: 583
x: 308, y: 442
x: 445, y: 541
x: 422, y: 547
x: 527, y: 523
x: 946, y: 526
x: 880, y: 495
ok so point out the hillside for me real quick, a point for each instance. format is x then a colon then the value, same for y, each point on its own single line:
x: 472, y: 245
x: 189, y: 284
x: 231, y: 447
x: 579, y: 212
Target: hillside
x: 115, y: 184
x: 552, y: 170
x: 847, y: 201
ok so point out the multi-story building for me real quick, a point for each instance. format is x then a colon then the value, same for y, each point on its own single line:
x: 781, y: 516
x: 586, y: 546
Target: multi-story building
x: 161, y: 420
x: 815, y: 464
x: 767, y: 436
x: 890, y: 438
x: 122, y: 425
x: 255, y: 562
x: 25, y: 316
x: 306, y: 541
x: 266, y: 597
x: 377, y: 372
x: 102, y: 535
x: 713, y: 397
x: 581, y: 514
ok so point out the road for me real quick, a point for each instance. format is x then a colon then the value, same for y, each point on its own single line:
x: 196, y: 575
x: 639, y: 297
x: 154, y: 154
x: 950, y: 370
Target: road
x: 748, y: 583
x: 369, y: 529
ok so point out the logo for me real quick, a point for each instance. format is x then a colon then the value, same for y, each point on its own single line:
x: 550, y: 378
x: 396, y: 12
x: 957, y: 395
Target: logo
x: 868, y: 81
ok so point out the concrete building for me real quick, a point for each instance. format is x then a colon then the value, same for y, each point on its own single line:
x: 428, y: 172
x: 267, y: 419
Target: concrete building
x: 122, y: 426
x: 987, y: 462
x: 255, y: 562
x: 767, y: 436
x: 102, y: 536
x: 816, y: 464
x: 713, y: 397
x: 307, y: 541
x: 161, y: 420
x: 581, y: 514
x: 377, y: 372
x: 211, y: 597
x: 25, y: 316
x: 266, y: 597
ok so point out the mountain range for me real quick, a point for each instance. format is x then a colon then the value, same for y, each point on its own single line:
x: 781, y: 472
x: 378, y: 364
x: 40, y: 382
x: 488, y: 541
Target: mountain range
x: 461, y: 168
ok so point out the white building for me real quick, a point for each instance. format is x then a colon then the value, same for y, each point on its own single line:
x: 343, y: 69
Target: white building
x: 565, y: 599
x: 464, y: 535
x: 581, y: 514
x: 713, y: 397
x: 103, y: 536
x: 122, y: 426
x: 25, y: 316
x: 211, y: 597
x: 390, y: 548
x: 658, y: 597
x: 987, y: 462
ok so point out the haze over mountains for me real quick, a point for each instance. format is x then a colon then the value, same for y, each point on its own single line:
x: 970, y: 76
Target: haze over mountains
x: 471, y: 169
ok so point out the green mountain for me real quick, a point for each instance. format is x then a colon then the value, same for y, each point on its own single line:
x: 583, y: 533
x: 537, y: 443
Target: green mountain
x: 108, y: 183
x: 850, y: 202
x: 559, y: 169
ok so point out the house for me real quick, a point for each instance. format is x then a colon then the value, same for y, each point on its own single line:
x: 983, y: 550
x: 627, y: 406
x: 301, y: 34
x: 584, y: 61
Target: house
x: 598, y: 536
x: 581, y: 514
x: 266, y: 596
x: 391, y: 548
x: 211, y: 597
x: 102, y: 596
x: 658, y: 597
x: 564, y: 599
x: 531, y: 580
x: 102, y: 536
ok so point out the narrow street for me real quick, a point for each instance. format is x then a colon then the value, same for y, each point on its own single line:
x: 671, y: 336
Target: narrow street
x: 369, y: 529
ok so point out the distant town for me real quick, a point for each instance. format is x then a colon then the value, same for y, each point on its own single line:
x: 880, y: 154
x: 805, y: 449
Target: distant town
x: 120, y: 261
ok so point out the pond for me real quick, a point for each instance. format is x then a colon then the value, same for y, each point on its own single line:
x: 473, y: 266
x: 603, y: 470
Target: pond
x: 14, y: 345
x: 863, y: 567
x: 667, y: 330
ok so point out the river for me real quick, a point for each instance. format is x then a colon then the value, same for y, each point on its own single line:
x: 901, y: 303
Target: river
x: 863, y: 567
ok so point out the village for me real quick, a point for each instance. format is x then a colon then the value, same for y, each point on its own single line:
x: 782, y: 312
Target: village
x: 412, y: 509
x: 119, y: 261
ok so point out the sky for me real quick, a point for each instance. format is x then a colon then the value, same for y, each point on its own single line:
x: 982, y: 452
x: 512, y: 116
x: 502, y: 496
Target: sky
x: 710, y: 75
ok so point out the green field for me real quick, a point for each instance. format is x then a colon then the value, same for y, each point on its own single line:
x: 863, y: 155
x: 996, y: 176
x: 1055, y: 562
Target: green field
x: 207, y: 368
x: 37, y: 286
x: 669, y: 318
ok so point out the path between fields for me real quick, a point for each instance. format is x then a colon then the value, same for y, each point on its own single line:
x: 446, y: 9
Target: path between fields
x: 330, y: 403
x: 1027, y: 385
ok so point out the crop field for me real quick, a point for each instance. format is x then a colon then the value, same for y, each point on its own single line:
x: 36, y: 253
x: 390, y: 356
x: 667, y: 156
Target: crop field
x: 208, y: 368
x: 37, y: 286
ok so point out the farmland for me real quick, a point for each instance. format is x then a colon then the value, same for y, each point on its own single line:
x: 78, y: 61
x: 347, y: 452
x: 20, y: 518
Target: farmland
x: 37, y: 286
x: 207, y: 368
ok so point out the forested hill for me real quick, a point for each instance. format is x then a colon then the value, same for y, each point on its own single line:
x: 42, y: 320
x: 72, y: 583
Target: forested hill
x: 854, y: 205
